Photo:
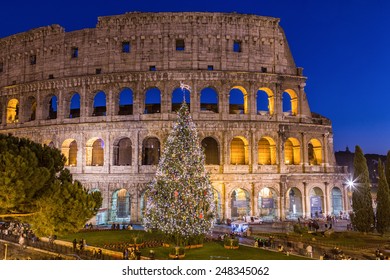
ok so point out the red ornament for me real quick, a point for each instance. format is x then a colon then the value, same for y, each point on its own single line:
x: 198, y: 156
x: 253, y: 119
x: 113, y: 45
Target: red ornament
x: 176, y: 193
x: 201, y: 215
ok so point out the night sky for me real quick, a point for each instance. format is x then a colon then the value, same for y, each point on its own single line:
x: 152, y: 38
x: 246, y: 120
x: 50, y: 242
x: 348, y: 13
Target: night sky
x: 343, y: 47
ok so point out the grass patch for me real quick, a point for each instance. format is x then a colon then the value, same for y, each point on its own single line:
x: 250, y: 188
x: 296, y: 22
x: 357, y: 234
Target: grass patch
x: 121, y: 237
x: 215, y: 250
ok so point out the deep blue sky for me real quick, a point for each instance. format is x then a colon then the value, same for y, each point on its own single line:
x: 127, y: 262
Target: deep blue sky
x: 343, y: 46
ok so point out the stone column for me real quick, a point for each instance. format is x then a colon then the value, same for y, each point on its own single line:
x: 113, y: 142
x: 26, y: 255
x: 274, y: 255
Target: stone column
x: 223, y: 202
x: 253, y: 212
x: 304, y: 206
x: 326, y: 199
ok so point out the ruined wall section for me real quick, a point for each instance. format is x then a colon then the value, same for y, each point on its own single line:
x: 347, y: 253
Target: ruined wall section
x: 47, y: 52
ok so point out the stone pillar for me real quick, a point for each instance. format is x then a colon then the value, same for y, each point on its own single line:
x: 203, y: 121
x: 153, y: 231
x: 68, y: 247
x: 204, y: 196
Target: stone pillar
x: 304, y: 205
x: 326, y: 199
x: 223, y: 202
x: 253, y: 212
x: 283, y: 201
x: 325, y: 160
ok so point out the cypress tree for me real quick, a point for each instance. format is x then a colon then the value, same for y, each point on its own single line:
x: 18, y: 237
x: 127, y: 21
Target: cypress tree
x: 387, y: 168
x: 363, y: 213
x: 383, y: 202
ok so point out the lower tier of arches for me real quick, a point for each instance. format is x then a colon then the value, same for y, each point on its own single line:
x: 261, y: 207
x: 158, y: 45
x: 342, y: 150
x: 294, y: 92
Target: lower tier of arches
x: 279, y: 198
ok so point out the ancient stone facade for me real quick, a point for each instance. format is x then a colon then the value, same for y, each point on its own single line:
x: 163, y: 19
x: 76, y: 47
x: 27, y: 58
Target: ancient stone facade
x: 106, y: 97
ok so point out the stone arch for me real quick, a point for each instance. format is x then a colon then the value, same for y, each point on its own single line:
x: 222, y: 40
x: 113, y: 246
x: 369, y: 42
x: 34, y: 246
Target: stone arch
x: 13, y: 111
x: 211, y: 150
x: 209, y: 100
x: 143, y: 201
x: 239, y: 152
x: 99, y: 104
x: 292, y: 151
x: 50, y: 106
x: 290, y: 102
x: 268, y: 204
x: 178, y: 96
x: 74, y: 106
x: 337, y: 201
x: 69, y: 150
x: 150, y: 151
x: 101, y: 216
x: 316, y: 196
x: 152, y: 101
x: 126, y: 99
x: 239, y: 203
x: 121, y: 206
x: 238, y: 100
x: 265, y: 101
x: 294, y: 200
x: 30, y: 109
x: 122, y: 152
x: 95, y: 152
x: 266, y: 151
x: 314, y: 151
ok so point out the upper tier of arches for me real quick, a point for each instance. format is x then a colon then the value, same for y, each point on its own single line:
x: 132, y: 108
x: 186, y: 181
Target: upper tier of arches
x: 235, y: 102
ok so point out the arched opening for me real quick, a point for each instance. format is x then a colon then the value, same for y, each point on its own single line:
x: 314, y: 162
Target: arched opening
x: 152, y: 101
x: 337, y: 202
x: 31, y: 108
x: 150, y: 151
x: 99, y: 104
x: 75, y: 106
x: 69, y: 150
x: 292, y: 151
x: 178, y: 96
x: 266, y: 151
x: 120, y: 206
x: 268, y: 204
x: 316, y: 203
x: 240, y: 204
x: 209, y: 100
x: 238, y: 101
x: 52, y: 107
x: 294, y: 202
x: 123, y: 152
x: 211, y: 150
x: 265, y: 101
x: 126, y: 102
x: 101, y: 216
x: 95, y: 152
x: 314, y: 152
x: 217, y: 206
x: 290, y: 102
x: 13, y: 111
x: 239, y: 151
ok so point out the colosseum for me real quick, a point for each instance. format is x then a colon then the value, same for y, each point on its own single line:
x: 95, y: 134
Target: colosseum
x: 106, y: 97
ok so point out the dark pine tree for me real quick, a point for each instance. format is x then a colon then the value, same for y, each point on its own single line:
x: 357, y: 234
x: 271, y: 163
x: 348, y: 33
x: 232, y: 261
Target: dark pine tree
x: 180, y: 198
x: 363, y: 213
x: 383, y: 202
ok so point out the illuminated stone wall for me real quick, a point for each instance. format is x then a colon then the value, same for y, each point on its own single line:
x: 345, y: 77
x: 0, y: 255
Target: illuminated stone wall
x: 247, y: 53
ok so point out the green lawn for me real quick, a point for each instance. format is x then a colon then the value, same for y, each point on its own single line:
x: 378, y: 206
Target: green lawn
x: 346, y: 239
x: 114, y: 240
x: 215, y: 250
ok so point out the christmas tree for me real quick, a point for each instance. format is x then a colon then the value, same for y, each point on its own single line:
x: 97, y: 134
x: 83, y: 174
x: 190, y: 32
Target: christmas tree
x: 180, y: 197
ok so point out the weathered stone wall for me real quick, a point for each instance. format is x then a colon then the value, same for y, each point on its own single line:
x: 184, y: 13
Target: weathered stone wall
x: 208, y: 41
